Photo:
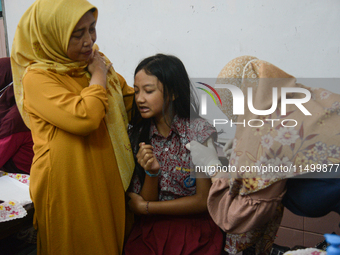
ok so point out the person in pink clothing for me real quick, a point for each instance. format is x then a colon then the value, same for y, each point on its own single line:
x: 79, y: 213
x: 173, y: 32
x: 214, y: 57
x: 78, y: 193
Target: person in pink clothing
x: 16, y: 145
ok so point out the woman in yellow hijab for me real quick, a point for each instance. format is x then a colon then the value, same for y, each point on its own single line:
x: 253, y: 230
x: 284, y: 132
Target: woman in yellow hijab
x: 77, y: 107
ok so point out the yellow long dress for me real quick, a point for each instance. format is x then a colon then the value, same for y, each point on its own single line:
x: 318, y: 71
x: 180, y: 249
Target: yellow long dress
x: 75, y: 182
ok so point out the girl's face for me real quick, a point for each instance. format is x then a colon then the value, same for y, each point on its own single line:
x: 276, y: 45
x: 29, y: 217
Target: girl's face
x: 82, y: 38
x: 149, y: 96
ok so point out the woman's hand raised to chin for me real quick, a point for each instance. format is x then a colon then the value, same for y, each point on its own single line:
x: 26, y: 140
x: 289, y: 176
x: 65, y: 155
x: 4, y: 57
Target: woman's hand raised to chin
x: 98, y: 68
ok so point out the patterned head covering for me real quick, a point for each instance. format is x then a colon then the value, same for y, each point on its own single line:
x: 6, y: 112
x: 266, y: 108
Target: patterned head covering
x: 298, y: 146
x: 41, y: 41
x: 232, y: 74
x: 296, y: 141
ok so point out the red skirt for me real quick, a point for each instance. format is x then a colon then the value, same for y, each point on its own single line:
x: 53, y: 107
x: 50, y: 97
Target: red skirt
x: 175, y: 235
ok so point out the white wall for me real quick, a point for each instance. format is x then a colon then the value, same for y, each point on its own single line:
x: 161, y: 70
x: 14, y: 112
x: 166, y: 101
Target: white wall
x: 301, y: 37
x: 2, y: 39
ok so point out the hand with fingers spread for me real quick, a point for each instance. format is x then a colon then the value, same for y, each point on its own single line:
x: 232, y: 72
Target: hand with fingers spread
x: 98, y: 68
x: 147, y: 159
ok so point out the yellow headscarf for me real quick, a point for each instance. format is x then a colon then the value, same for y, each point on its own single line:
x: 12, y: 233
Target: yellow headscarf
x: 41, y: 41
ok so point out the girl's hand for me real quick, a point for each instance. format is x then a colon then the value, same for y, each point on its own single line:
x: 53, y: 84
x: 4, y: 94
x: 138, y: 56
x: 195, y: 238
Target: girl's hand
x: 137, y: 204
x: 98, y: 69
x: 147, y: 159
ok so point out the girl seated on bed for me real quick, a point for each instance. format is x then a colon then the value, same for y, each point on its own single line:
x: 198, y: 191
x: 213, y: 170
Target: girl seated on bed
x: 172, y: 203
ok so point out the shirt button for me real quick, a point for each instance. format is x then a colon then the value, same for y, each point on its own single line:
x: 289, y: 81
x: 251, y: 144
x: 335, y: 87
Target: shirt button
x: 166, y: 149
